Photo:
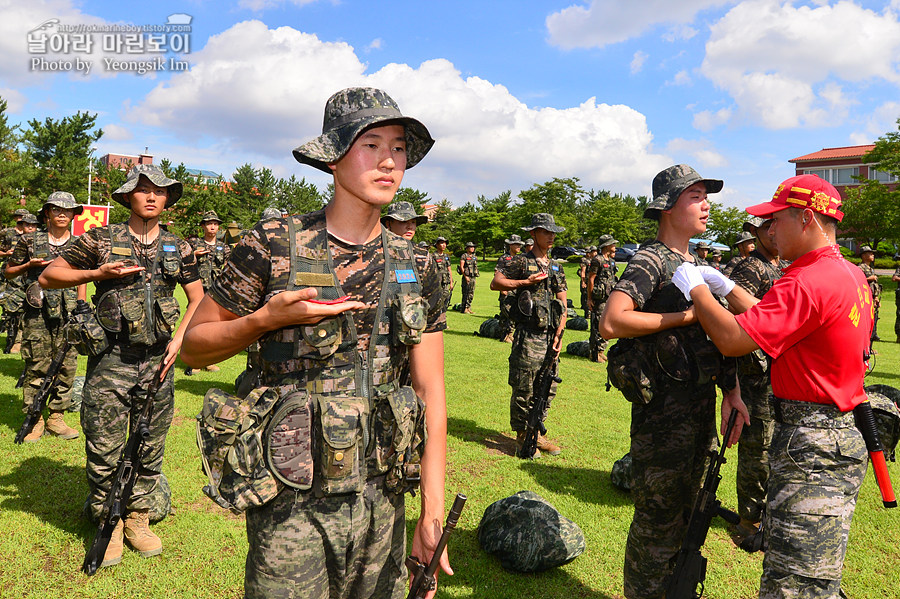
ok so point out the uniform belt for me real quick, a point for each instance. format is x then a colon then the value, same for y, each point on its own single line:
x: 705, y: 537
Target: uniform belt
x: 813, y: 415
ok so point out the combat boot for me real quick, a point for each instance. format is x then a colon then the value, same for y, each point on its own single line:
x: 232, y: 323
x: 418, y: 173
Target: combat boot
x: 546, y: 446
x: 520, y: 441
x: 58, y: 426
x: 139, y: 535
x: 36, y: 432
x: 113, y: 553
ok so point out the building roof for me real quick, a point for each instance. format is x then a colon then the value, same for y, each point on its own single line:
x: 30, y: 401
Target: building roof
x: 830, y: 153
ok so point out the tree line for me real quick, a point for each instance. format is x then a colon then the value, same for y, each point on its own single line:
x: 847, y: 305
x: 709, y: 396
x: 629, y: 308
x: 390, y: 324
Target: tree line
x: 56, y: 154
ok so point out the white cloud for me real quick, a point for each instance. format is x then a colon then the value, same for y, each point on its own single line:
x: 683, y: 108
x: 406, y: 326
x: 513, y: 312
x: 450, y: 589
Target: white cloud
x: 605, y: 22
x: 375, y: 44
x: 15, y: 100
x: 637, y: 62
x: 680, y: 32
x: 707, y: 120
x: 681, y: 78
x: 789, y: 66
x: 259, y: 90
x: 879, y: 122
x: 258, y: 5
x: 114, y: 132
x: 701, y: 151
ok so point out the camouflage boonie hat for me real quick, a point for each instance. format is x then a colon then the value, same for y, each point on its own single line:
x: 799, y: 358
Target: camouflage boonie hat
x: 620, y: 475
x: 30, y: 219
x: 865, y: 249
x: 347, y: 114
x: 744, y: 238
x: 716, y: 253
x: 527, y: 534
x: 469, y: 244
x: 669, y: 184
x: 60, y: 199
x: 21, y: 212
x: 403, y: 212
x: 545, y: 221
x: 422, y: 244
x: 514, y: 240
x: 440, y: 239
x: 701, y: 245
x: 751, y: 224
x: 269, y: 213
x: 606, y: 240
x: 592, y: 248
x: 155, y: 176
x: 210, y: 216
x: 233, y: 226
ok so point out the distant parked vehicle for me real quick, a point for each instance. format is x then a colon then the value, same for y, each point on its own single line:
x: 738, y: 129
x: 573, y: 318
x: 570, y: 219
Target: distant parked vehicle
x: 564, y: 251
x: 624, y: 253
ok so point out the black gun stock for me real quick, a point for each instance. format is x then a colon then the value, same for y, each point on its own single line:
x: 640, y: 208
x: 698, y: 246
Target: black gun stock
x: 123, y: 481
x: 543, y: 383
x: 423, y: 580
x: 690, y: 566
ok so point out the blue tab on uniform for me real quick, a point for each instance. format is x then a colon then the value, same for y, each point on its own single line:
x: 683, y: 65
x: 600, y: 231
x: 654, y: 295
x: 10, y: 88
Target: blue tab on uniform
x: 405, y: 276
x: 554, y: 266
x: 169, y: 248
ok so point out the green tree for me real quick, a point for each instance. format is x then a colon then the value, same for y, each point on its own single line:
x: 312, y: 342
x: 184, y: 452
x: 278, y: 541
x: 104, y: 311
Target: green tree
x: 886, y: 153
x: 559, y: 197
x: 871, y: 213
x: 297, y: 197
x: 13, y: 173
x: 725, y: 224
x: 605, y: 213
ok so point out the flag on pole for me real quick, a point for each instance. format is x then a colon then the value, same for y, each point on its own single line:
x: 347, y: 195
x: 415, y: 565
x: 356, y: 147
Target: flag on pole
x: 93, y: 216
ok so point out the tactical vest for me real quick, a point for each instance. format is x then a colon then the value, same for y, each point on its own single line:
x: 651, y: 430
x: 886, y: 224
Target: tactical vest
x: 604, y: 281
x: 365, y: 421
x: 530, y: 306
x: 138, y: 309
x: 443, y: 263
x: 470, y: 265
x: 57, y: 304
x: 210, y: 265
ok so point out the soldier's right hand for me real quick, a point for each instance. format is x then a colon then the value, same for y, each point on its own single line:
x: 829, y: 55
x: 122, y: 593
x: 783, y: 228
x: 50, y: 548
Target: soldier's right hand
x: 535, y: 277
x: 290, y: 308
x: 201, y: 251
x: 115, y: 270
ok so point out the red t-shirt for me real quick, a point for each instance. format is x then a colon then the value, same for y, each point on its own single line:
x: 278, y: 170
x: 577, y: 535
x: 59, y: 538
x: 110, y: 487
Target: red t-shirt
x: 815, y: 323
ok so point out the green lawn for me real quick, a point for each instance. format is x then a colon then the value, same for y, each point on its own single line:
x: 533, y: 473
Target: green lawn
x: 42, y: 488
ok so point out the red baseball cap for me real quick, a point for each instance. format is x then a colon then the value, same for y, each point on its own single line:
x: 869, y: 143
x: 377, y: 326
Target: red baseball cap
x: 802, y: 191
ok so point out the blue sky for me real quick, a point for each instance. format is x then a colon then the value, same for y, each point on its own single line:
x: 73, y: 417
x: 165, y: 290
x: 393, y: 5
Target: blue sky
x: 514, y: 92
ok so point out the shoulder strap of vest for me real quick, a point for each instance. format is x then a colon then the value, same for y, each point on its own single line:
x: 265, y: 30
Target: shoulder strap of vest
x: 311, y: 264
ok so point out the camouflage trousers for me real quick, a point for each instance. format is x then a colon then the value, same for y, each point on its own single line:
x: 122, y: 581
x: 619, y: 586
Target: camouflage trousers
x: 818, y: 462
x: 468, y: 293
x: 671, y: 438
x: 114, y: 392
x: 335, y: 547
x: 506, y: 324
x: 446, y: 294
x: 529, y: 348
x: 41, y: 341
x: 584, y: 300
x: 897, y: 318
x: 597, y: 343
x: 753, y: 448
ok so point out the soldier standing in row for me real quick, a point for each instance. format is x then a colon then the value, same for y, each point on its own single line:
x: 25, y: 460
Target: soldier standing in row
x: 702, y: 250
x: 468, y: 268
x: 513, y: 247
x: 401, y: 219
x: 896, y: 279
x: 211, y: 253
x: 715, y: 259
x: 583, y: 267
x: 346, y: 536
x: 540, y: 322
x: 867, y: 257
x: 672, y: 434
x: 601, y: 280
x: 46, y: 312
x: 745, y: 244
x: 14, y: 301
x: 755, y: 274
x: 135, y: 267
x: 442, y: 260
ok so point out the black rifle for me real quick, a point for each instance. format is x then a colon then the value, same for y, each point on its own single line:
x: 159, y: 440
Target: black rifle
x: 423, y: 580
x: 21, y: 380
x: 123, y: 481
x: 543, y: 383
x: 690, y: 566
x: 40, y: 400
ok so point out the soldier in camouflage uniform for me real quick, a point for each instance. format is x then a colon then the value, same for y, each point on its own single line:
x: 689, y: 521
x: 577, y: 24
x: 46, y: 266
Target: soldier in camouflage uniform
x: 513, y: 248
x: 745, y: 244
x: 896, y: 279
x: 601, y: 280
x: 468, y: 268
x: 867, y: 256
x: 45, y: 313
x: 755, y: 274
x: 325, y: 541
x: 211, y: 253
x: 401, y: 219
x: 702, y: 250
x: 715, y: 259
x: 13, y: 297
x: 135, y: 267
x: 442, y: 260
x: 583, y: 267
x: 671, y: 436
x: 815, y: 324
x: 538, y: 329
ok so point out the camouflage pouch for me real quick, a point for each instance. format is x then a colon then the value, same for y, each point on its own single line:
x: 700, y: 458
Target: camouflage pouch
x: 34, y: 296
x: 686, y: 355
x: 231, y: 439
x: 53, y: 303
x: 754, y: 364
x: 289, y: 447
x: 341, y: 431
x: 85, y: 334
x: 167, y: 313
x: 139, y: 333
x: 109, y: 315
x: 409, y: 319
x: 15, y: 300
x: 398, y: 432
x: 629, y: 370
x: 887, y: 417
x: 321, y: 340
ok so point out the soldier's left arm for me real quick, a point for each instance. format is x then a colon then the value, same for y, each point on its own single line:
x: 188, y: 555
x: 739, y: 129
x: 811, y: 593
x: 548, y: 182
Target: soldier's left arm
x: 426, y: 367
x: 194, y: 293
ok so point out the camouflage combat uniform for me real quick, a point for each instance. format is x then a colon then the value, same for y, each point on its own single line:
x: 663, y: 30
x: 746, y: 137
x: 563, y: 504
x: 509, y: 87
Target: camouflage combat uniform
x: 42, y: 327
x: 671, y: 436
x: 469, y: 274
x: 315, y: 543
x: 506, y: 323
x: 583, y: 268
x: 442, y: 261
x: 604, y: 271
x: 14, y: 299
x: 897, y: 315
x: 530, y: 343
x: 119, y: 377
x: 210, y: 265
x: 875, y: 287
x: 756, y: 275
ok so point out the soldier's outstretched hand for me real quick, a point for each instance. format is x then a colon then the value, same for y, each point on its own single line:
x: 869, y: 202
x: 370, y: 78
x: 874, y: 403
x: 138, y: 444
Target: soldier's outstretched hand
x: 290, y: 308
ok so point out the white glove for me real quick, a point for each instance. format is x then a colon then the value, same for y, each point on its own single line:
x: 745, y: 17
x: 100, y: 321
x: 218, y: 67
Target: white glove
x: 718, y: 283
x: 686, y: 278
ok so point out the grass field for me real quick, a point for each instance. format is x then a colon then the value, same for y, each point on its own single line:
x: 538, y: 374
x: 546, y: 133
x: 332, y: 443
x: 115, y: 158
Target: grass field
x: 42, y: 488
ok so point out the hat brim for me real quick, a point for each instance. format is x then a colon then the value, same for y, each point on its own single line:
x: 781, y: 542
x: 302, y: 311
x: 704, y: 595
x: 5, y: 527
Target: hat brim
x: 766, y: 209
x: 78, y: 209
x: 212, y: 220
x: 653, y: 211
x: 608, y: 243
x: 551, y: 228
x: 420, y: 219
x: 175, y: 189
x: 332, y: 145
